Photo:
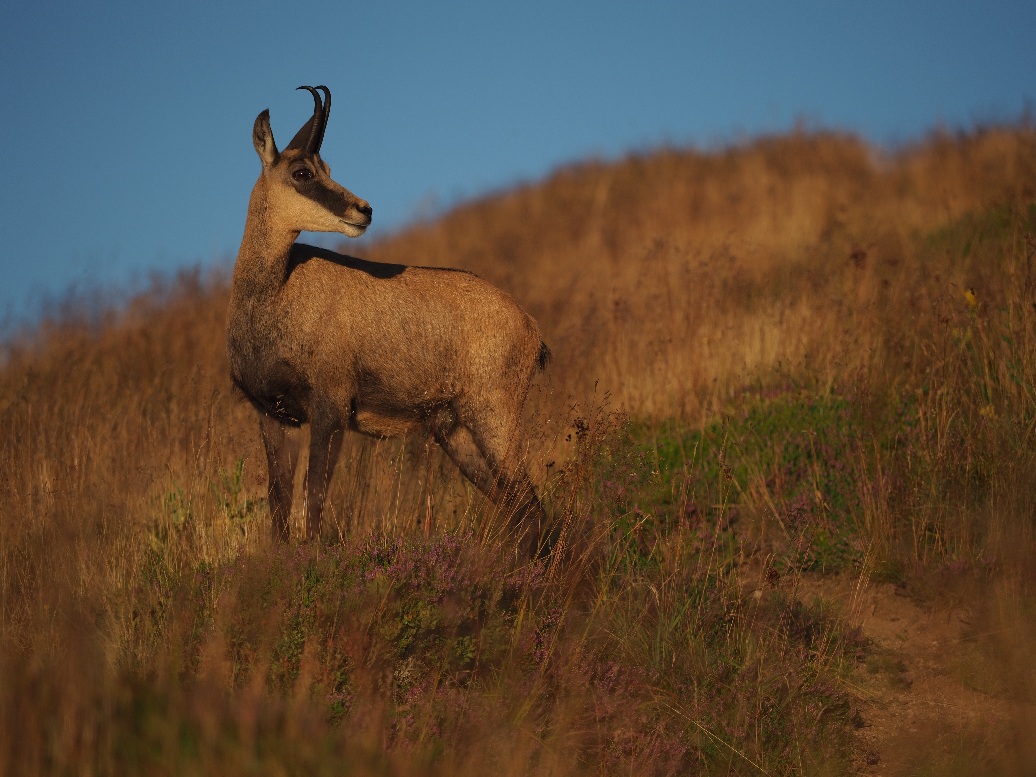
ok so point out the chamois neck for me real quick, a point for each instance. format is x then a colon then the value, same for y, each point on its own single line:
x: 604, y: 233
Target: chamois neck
x: 262, y: 261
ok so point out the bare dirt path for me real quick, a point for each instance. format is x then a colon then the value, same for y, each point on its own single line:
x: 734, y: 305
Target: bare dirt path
x: 927, y: 702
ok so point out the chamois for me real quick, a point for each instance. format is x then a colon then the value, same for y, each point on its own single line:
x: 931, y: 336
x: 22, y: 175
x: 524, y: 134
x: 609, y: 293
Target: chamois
x: 319, y: 338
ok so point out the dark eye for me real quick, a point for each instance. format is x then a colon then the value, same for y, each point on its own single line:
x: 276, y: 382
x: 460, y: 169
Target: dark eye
x: 302, y: 174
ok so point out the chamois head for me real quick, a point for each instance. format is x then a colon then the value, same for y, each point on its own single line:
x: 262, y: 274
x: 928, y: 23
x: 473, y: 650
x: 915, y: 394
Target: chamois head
x: 298, y: 182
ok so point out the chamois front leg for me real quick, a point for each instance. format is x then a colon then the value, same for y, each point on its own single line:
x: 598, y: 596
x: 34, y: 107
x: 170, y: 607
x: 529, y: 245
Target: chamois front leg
x: 282, y: 456
x: 325, y: 444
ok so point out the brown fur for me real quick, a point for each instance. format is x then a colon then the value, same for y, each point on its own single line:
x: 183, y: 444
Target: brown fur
x: 341, y: 343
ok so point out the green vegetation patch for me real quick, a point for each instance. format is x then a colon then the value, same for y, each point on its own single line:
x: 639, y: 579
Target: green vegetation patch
x: 780, y: 472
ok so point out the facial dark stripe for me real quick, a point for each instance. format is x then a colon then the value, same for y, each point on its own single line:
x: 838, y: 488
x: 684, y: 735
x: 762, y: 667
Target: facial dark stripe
x: 331, y: 200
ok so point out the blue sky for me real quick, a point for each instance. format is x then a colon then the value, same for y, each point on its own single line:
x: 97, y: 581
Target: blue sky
x: 126, y: 126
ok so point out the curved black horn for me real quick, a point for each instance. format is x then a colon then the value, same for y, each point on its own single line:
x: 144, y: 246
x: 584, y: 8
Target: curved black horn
x: 319, y: 139
x: 312, y: 129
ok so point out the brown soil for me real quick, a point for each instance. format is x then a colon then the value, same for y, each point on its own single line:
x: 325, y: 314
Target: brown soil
x: 931, y: 700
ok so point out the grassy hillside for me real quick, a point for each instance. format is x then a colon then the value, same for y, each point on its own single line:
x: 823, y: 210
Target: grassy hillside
x: 788, y: 375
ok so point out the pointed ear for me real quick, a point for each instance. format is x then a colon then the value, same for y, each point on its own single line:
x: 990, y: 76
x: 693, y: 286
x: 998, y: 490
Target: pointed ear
x: 262, y: 139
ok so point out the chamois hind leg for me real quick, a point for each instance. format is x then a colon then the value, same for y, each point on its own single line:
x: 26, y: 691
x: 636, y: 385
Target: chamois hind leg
x: 498, y: 473
x: 325, y: 443
x: 282, y: 456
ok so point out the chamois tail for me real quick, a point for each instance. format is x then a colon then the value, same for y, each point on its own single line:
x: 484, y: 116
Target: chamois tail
x: 545, y: 355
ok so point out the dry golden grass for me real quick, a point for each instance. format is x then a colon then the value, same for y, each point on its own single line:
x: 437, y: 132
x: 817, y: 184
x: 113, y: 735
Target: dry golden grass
x: 675, y: 286
x: 675, y: 278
